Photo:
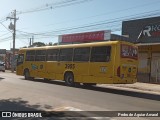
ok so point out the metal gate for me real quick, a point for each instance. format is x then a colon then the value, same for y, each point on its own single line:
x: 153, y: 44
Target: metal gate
x: 155, y: 68
x: 143, y: 67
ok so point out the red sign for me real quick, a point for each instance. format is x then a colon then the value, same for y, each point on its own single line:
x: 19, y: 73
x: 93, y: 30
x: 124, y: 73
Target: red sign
x: 84, y: 37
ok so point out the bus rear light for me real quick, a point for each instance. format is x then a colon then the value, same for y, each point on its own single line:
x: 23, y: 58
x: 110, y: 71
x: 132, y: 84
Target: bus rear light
x: 118, y: 71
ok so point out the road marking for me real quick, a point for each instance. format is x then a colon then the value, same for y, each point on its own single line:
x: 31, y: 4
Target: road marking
x: 66, y: 108
x: 69, y: 108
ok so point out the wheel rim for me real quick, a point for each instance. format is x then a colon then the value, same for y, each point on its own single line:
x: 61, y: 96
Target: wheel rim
x: 69, y: 80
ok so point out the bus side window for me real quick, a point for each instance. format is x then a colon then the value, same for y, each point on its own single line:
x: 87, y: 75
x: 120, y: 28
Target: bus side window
x: 81, y: 54
x: 101, y: 54
x: 40, y: 55
x: 66, y: 54
x: 30, y: 55
x: 52, y: 54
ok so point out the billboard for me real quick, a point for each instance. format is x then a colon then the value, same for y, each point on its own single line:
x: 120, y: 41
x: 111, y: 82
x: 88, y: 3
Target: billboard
x: 150, y: 31
x: 145, y: 30
x: 85, y: 37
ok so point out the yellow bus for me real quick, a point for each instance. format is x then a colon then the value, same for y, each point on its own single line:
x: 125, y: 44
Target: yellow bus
x: 109, y: 62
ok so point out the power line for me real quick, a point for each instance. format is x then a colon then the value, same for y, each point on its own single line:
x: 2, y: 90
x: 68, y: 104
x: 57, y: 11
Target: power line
x: 104, y: 22
x: 5, y: 27
x: 111, y: 21
x: 5, y: 34
x: 106, y: 13
x: 55, y: 5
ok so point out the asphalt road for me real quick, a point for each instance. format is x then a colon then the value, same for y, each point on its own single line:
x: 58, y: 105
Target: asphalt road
x: 19, y: 94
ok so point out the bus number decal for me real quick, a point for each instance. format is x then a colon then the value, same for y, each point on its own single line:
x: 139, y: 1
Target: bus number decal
x: 69, y: 66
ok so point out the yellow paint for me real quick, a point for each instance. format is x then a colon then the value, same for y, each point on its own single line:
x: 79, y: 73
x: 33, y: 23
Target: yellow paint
x: 85, y: 72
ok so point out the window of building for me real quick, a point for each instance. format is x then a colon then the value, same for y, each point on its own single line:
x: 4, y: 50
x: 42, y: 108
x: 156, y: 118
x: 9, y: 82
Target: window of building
x: 101, y: 54
x: 66, y: 54
x: 81, y: 54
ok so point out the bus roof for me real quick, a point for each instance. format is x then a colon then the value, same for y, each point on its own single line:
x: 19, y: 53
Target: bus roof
x: 77, y: 45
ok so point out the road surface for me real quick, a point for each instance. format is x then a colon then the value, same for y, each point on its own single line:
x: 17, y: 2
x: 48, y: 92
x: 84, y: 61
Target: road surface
x: 19, y: 94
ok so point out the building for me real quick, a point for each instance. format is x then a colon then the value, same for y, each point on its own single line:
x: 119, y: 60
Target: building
x: 2, y: 55
x: 6, y: 56
x: 146, y: 34
x: 95, y: 36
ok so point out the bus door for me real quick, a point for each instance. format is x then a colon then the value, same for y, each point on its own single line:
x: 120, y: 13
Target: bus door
x: 100, y: 64
x: 19, y: 68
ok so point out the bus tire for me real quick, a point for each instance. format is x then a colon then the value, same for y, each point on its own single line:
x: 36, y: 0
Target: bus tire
x: 69, y: 79
x: 26, y: 74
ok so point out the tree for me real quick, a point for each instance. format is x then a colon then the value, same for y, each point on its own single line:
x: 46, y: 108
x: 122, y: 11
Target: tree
x: 37, y: 44
x: 55, y: 44
x: 50, y: 44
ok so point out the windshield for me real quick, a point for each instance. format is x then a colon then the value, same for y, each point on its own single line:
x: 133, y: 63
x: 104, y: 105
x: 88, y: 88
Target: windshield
x: 20, y: 59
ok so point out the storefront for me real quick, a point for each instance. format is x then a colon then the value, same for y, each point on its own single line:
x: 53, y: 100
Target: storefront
x: 146, y: 34
x: 149, y: 62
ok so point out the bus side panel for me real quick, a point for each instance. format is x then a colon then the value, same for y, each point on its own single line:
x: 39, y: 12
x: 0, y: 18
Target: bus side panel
x: 102, y: 72
x: 116, y: 61
x: 32, y: 67
x: 80, y: 70
x: 61, y: 67
x: 41, y: 69
x: 51, y: 68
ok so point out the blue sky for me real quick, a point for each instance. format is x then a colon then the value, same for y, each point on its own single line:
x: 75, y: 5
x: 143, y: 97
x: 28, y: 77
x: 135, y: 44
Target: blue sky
x: 67, y: 16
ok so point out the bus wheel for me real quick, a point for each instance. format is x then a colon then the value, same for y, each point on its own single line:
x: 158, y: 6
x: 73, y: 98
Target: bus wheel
x: 26, y: 75
x: 69, y: 79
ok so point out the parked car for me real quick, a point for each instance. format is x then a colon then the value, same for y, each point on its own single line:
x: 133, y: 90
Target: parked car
x: 2, y: 66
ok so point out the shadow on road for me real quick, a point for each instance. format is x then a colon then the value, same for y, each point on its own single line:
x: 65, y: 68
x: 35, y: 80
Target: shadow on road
x: 1, y: 78
x: 17, y: 105
x: 104, y: 89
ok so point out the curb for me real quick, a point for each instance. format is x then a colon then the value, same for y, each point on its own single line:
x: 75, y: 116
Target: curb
x: 131, y: 92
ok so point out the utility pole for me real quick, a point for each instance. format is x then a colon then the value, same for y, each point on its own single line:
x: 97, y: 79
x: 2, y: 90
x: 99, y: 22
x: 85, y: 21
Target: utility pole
x: 32, y: 40
x: 13, y: 27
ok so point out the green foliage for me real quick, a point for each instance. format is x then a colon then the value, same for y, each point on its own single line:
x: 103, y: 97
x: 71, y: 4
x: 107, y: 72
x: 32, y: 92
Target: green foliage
x: 37, y: 44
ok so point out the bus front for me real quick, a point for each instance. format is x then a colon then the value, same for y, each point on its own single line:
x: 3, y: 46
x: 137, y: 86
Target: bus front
x: 20, y: 62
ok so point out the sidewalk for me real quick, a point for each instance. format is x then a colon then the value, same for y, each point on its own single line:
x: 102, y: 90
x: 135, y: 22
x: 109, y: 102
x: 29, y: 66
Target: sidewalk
x: 136, y: 87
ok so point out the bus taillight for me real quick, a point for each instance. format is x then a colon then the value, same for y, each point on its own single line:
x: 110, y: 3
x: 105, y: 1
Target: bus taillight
x: 118, y: 71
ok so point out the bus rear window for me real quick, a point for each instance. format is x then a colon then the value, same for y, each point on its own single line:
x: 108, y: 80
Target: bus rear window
x: 128, y: 51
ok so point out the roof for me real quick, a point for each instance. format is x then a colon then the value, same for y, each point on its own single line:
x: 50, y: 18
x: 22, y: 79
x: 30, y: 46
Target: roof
x: 144, y: 44
x: 74, y: 45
